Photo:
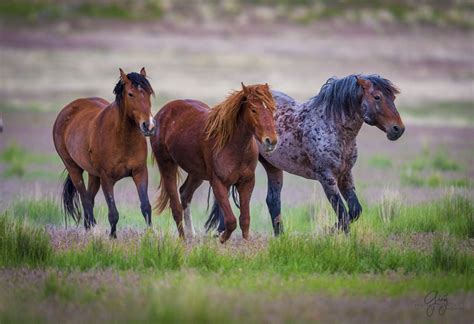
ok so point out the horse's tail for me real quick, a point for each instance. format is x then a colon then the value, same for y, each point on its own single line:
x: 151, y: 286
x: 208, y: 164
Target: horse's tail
x: 71, y: 200
x: 163, y: 199
x: 216, y: 212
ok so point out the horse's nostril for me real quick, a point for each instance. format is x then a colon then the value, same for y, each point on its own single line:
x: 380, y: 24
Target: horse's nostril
x: 396, y: 129
x: 267, y: 141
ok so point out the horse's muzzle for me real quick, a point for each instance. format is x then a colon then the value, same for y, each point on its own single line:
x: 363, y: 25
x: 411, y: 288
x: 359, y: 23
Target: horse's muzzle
x: 148, y: 133
x: 268, y: 144
x: 395, y: 132
x: 145, y: 129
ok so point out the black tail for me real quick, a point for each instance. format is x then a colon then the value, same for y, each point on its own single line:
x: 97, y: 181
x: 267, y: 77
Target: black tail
x: 216, y: 217
x: 71, y: 200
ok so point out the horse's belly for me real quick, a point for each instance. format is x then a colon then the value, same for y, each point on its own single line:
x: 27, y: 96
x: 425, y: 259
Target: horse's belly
x: 290, y: 158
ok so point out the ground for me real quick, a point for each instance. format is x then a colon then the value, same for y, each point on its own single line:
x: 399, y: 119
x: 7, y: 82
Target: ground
x: 415, y: 190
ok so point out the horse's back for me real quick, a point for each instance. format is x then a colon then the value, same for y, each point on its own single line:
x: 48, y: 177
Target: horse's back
x: 282, y: 98
x: 181, y: 112
x: 81, y: 107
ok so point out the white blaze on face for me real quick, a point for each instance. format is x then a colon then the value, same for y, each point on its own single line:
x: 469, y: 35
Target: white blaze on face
x: 264, y: 105
x: 152, y: 122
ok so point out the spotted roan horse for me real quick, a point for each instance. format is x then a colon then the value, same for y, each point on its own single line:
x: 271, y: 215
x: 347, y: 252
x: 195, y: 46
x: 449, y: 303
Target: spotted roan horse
x: 318, y: 141
x: 107, y: 140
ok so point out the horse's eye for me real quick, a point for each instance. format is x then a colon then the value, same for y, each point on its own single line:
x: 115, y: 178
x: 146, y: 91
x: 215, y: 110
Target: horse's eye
x: 377, y: 97
x: 130, y: 94
x: 254, y: 111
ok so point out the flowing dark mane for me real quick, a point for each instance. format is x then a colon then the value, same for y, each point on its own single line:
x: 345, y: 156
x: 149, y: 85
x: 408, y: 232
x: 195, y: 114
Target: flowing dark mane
x: 222, y: 120
x: 137, y: 80
x: 340, y: 97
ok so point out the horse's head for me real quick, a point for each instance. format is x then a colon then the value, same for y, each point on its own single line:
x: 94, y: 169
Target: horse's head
x: 378, y: 107
x: 258, y: 111
x: 133, y: 94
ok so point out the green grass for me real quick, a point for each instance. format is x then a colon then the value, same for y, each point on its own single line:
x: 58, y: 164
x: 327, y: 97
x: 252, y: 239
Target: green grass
x: 21, y: 163
x: 40, y: 211
x: 42, y: 10
x: 290, y: 254
x: 299, y: 11
x: 428, y: 170
x: 187, y: 296
x: 380, y: 161
x: 22, y: 244
x: 159, y: 278
x: 453, y: 215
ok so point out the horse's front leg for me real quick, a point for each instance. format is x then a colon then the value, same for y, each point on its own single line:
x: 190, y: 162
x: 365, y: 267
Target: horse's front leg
x: 108, y: 189
x: 222, y: 198
x: 346, y: 186
x: 332, y: 193
x: 140, y: 177
x: 275, y: 183
x: 245, y: 189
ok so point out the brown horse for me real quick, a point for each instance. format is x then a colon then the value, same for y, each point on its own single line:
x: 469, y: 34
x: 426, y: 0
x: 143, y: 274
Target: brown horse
x: 107, y: 141
x: 216, y: 145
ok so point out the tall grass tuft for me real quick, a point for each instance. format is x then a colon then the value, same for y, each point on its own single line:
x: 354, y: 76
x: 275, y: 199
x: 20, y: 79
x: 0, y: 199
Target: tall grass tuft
x: 453, y: 214
x: 38, y: 211
x: 447, y: 257
x: 22, y: 244
x: 390, y: 206
x: 162, y: 252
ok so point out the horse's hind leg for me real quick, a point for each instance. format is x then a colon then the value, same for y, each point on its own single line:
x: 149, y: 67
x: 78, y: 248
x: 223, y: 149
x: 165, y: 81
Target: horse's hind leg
x: 169, y: 174
x: 275, y: 183
x: 108, y: 189
x: 186, y: 192
x: 93, y: 187
x: 222, y: 198
x: 140, y: 177
x: 75, y: 173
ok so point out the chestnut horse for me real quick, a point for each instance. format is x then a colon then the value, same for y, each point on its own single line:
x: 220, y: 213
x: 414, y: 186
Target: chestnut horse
x: 318, y: 141
x: 107, y: 141
x: 217, y: 145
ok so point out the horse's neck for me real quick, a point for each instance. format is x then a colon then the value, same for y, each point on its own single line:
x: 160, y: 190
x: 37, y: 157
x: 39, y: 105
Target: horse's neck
x: 242, y: 136
x: 346, y: 126
x: 122, y: 124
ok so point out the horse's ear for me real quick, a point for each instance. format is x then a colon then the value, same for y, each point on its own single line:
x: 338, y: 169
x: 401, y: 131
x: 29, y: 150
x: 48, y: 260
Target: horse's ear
x: 143, y: 72
x: 245, y: 89
x: 364, y: 83
x: 123, y: 76
x: 266, y: 86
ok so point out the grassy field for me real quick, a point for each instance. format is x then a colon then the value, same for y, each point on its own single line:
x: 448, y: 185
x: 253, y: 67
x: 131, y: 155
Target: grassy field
x: 394, y: 252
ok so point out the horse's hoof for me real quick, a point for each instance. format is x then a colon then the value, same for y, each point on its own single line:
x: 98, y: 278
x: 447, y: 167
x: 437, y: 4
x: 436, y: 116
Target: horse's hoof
x: 222, y: 238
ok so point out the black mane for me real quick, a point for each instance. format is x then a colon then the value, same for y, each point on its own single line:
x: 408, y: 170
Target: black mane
x: 340, y: 98
x: 137, y: 80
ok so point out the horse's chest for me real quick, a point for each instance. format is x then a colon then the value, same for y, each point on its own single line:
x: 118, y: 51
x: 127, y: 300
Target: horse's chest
x: 230, y: 169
